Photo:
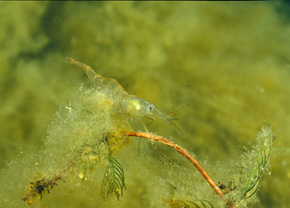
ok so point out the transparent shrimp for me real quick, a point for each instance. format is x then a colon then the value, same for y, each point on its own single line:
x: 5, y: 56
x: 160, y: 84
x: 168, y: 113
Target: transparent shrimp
x: 135, y: 107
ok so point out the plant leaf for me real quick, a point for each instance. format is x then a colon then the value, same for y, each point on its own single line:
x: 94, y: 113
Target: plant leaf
x: 114, y: 180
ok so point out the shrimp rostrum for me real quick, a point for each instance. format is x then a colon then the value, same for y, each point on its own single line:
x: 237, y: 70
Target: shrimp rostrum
x: 134, y: 107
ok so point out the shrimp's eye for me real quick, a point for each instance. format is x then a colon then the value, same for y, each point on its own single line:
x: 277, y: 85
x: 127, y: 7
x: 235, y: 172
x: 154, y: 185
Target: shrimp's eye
x: 151, y: 108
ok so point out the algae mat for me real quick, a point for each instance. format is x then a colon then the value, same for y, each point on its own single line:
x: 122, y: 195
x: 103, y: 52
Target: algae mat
x: 229, y: 60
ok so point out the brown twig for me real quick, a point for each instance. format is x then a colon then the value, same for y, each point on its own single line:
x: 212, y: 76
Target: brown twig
x: 181, y: 151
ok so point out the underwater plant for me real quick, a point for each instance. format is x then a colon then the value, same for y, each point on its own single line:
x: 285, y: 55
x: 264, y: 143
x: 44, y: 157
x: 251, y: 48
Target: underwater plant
x: 101, y: 120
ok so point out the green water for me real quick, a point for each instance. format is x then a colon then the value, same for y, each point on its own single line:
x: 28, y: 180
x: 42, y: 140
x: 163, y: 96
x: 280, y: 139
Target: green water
x: 229, y: 60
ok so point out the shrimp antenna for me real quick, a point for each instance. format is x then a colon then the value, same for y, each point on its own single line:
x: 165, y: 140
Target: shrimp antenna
x: 141, y: 73
x: 176, y: 111
x: 170, y: 117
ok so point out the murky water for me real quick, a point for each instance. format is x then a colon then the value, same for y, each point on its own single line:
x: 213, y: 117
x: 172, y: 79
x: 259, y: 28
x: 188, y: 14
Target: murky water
x: 229, y: 60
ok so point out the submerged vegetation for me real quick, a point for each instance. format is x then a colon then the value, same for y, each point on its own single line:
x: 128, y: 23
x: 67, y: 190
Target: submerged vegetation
x: 229, y: 60
x: 80, y: 145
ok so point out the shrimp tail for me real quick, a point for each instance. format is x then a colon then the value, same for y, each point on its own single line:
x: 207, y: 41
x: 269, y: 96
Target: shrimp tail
x: 89, y: 71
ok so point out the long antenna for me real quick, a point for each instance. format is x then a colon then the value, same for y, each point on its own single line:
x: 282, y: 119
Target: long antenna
x: 139, y: 80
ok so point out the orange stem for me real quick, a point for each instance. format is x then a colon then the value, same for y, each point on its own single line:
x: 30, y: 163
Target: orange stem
x: 181, y: 151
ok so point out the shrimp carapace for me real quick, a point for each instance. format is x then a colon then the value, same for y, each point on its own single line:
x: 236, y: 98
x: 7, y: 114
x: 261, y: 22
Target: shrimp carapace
x: 136, y: 108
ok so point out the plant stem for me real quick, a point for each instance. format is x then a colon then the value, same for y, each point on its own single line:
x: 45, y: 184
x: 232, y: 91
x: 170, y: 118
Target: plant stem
x: 181, y: 151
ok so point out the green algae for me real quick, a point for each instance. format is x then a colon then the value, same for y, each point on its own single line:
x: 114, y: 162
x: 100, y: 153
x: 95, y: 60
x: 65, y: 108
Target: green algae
x: 231, y: 61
